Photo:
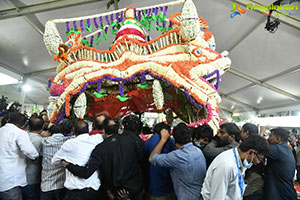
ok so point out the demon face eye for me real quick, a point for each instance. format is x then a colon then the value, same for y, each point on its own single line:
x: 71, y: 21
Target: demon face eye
x: 197, y: 52
x: 70, y: 44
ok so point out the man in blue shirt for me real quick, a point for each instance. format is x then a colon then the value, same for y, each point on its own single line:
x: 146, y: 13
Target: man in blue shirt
x: 187, y: 164
x: 160, y: 182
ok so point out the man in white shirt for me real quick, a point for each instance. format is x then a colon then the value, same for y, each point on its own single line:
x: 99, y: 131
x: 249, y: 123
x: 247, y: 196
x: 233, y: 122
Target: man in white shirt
x: 33, y: 169
x: 14, y: 144
x: 225, y: 176
x: 77, y: 151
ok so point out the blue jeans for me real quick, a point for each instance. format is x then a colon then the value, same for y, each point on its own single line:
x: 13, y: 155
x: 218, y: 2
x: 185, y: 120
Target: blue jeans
x: 12, y: 194
x: 31, y: 192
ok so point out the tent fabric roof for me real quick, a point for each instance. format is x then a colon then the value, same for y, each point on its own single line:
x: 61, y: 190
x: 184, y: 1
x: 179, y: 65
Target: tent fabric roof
x: 264, y: 65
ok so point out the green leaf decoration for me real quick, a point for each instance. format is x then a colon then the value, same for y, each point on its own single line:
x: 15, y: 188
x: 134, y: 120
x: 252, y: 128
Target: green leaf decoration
x: 72, y: 30
x: 154, y: 17
x: 84, y: 42
x: 151, y: 26
x: 101, y: 26
x: 88, y: 28
x: 99, y: 94
x: 97, y: 40
x: 47, y: 88
x: 144, y: 22
x: 143, y: 85
x: 158, y: 27
x: 129, y: 22
x: 123, y: 98
x: 161, y: 16
x: 114, y: 31
x: 77, y: 31
x: 114, y: 23
x: 163, y: 29
x: 105, y: 36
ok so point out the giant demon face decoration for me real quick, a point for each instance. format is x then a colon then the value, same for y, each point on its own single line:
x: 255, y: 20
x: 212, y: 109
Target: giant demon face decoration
x: 181, y: 66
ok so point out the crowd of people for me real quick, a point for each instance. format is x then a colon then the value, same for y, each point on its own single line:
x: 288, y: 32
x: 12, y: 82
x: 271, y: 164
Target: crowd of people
x: 72, y: 161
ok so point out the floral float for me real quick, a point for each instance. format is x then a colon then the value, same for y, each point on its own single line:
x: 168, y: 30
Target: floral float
x: 179, y: 70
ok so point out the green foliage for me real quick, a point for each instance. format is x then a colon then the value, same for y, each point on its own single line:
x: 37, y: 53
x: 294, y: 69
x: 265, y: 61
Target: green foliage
x: 124, y: 97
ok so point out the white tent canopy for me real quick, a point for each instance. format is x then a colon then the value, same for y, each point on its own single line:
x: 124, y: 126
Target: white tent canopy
x: 265, y: 70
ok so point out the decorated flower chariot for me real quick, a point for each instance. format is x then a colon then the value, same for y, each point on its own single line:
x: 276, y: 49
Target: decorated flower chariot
x: 179, y: 70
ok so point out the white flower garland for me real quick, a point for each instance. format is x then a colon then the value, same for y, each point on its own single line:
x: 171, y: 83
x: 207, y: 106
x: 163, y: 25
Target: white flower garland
x: 80, y: 106
x: 158, y: 97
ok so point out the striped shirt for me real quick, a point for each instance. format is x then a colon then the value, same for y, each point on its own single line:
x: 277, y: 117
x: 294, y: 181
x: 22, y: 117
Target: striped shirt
x: 53, y: 176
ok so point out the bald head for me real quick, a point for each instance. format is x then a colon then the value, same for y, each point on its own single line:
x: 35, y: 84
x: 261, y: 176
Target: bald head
x: 81, y: 127
x: 36, y: 124
x: 99, y: 122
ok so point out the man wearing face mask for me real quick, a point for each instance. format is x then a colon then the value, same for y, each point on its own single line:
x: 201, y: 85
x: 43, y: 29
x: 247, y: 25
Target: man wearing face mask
x: 227, y: 138
x: 202, y: 135
x: 225, y: 176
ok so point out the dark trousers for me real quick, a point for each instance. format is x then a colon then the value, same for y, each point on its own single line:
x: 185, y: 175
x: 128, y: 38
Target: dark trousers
x: 12, y: 194
x: 53, y: 195
x: 258, y: 195
x: 31, y: 192
x: 84, y: 194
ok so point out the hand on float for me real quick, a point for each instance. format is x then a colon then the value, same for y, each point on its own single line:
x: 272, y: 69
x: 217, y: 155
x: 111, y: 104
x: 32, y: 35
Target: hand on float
x: 65, y: 163
x: 165, y: 135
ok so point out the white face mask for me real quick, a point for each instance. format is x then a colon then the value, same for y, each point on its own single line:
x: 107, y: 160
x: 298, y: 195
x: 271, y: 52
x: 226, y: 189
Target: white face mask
x: 197, y: 144
x: 247, y: 164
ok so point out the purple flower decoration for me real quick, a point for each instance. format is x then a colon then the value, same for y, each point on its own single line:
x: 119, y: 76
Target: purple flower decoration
x: 134, y: 13
x: 143, y: 78
x: 81, y: 25
x: 49, y: 84
x: 68, y: 26
x: 99, y: 86
x: 165, y: 10
x: 121, y: 16
x: 112, y: 17
x: 74, y: 25
x: 101, y: 20
x: 95, y: 22
x: 92, y: 40
x: 63, y: 112
x: 88, y: 21
x: 121, y: 86
x: 140, y: 15
x: 212, y: 74
x: 156, y: 11
x: 107, y: 19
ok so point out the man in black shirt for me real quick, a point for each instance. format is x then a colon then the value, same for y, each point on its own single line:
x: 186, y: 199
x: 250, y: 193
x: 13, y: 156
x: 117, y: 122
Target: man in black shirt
x: 118, y: 160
